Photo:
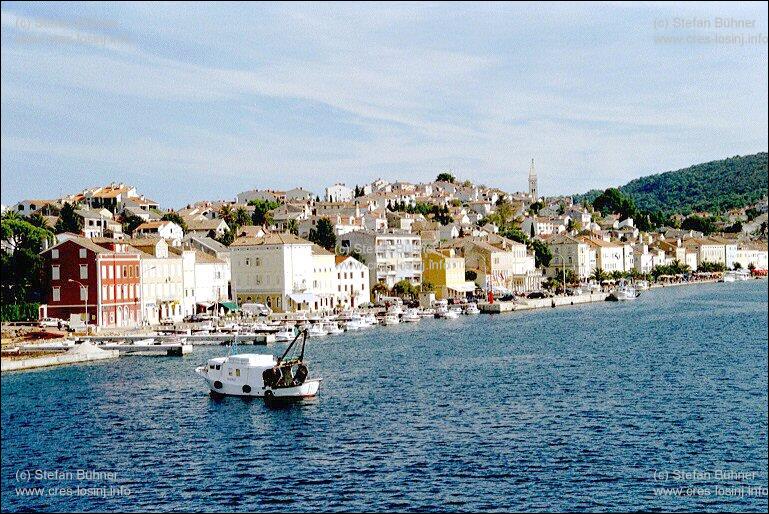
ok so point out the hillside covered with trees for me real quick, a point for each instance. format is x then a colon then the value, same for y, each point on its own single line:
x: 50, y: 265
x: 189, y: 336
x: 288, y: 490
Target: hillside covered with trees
x: 715, y: 187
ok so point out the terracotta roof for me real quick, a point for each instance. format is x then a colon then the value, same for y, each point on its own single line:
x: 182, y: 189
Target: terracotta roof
x: 273, y: 238
x: 153, y: 224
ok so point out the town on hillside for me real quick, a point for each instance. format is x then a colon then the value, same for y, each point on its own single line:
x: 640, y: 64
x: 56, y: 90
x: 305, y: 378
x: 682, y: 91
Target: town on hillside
x: 119, y: 259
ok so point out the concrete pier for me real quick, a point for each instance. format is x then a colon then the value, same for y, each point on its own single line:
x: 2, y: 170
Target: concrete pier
x: 176, y: 349
x: 194, y: 339
x: 540, y: 303
x: 85, y: 352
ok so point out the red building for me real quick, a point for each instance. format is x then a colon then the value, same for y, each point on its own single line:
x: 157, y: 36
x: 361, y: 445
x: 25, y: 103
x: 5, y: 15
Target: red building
x: 101, y: 280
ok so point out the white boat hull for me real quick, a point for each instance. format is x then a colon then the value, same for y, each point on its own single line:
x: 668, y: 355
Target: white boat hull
x: 226, y: 387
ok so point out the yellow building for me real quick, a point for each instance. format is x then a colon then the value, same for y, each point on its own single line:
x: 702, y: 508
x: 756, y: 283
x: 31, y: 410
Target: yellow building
x: 445, y: 270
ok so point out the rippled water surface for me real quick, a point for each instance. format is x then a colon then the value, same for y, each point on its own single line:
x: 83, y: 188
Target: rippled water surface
x: 575, y: 408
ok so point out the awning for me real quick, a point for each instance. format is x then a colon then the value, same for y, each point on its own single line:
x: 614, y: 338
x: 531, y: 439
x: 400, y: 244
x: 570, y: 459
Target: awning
x: 302, y: 297
x: 207, y: 305
x: 230, y: 306
x: 467, y: 287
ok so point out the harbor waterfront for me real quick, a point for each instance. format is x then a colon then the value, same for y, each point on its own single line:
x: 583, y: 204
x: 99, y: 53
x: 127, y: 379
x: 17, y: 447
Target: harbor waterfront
x: 659, y: 403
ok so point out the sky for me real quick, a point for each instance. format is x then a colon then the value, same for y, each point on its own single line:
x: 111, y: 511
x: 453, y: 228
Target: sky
x: 202, y: 101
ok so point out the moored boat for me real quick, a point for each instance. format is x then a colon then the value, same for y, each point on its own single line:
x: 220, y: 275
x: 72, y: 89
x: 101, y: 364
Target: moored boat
x: 390, y: 319
x: 411, y: 316
x: 260, y: 375
x: 472, y: 308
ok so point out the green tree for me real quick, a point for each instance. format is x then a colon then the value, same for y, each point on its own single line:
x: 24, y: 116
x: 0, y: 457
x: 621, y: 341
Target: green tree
x: 404, y: 288
x: 130, y: 222
x: 22, y: 267
x: 323, y: 234
x: 445, y: 177
x: 292, y: 226
x: 380, y: 289
x: 262, y: 209
x: 175, y: 218
x: 241, y: 217
x: 699, y: 223
x: 69, y: 221
x: 227, y: 214
x: 598, y: 275
x: 542, y: 254
x: 226, y: 238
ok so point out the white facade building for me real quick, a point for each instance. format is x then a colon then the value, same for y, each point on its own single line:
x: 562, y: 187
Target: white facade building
x: 390, y: 257
x: 339, y: 193
x: 352, y: 279
x: 276, y: 270
x: 162, y: 281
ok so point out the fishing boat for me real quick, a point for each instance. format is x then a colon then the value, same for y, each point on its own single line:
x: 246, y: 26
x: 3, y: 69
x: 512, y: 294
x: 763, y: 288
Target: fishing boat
x: 472, y: 308
x: 411, y: 316
x: 259, y: 375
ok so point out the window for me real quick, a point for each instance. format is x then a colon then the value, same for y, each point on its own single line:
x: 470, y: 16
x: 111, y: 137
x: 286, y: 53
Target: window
x: 55, y: 253
x: 83, y: 253
x: 56, y: 294
x: 83, y: 294
x: 103, y: 272
x: 104, y: 292
x: 125, y: 272
x: 55, y: 274
x: 84, y: 271
x: 111, y: 271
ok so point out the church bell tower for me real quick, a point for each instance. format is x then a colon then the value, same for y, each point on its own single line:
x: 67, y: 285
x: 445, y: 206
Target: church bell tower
x: 533, y: 182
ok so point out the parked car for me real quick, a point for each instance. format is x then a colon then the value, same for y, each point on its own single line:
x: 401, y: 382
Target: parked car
x: 537, y: 294
x: 52, y: 322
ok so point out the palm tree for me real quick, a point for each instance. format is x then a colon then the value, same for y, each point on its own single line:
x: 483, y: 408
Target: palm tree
x: 226, y: 213
x: 598, y: 275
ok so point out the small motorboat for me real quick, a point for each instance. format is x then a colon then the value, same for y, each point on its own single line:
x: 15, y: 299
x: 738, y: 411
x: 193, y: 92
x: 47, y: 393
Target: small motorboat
x: 390, y: 319
x: 332, y: 329
x: 624, y: 293
x: 258, y: 375
x: 641, y: 285
x: 411, y: 316
x: 427, y: 313
x: 316, y: 330
x: 472, y: 308
x: 356, y: 323
x: 284, y: 335
x: 450, y: 314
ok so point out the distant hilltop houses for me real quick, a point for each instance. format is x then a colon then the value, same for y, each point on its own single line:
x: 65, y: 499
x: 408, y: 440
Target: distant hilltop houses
x: 127, y: 261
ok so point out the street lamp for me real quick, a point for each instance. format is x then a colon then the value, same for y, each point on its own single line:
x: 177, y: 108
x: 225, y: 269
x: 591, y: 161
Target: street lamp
x: 87, y: 319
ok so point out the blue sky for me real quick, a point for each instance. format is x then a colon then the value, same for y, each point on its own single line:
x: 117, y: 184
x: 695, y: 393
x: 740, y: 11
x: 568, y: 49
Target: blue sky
x: 199, y: 101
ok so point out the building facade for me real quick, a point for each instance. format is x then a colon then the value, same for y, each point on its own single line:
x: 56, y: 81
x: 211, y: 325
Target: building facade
x: 101, y: 283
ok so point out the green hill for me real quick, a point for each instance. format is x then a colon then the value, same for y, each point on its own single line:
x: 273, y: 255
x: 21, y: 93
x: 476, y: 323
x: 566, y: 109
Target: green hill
x: 714, y: 186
